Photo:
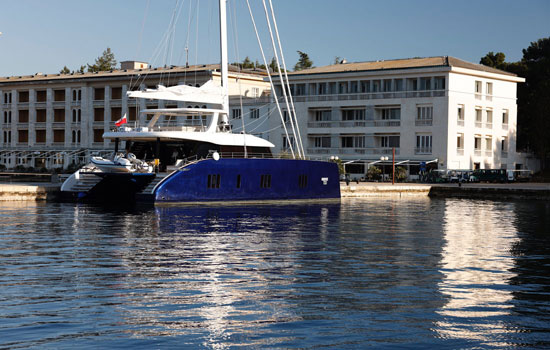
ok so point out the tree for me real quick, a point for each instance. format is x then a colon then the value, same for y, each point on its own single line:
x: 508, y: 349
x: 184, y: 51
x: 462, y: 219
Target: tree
x: 81, y: 70
x: 533, y: 96
x: 303, y: 62
x: 105, y: 62
x: 65, y: 70
x: 273, y: 65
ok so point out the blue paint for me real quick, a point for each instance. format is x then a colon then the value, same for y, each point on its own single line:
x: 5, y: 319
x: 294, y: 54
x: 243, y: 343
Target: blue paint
x: 190, y: 184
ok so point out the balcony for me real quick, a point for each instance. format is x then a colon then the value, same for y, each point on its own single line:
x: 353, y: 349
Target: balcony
x: 423, y: 150
x: 477, y: 153
x: 423, y: 122
x: 354, y: 123
x: 488, y: 153
x: 478, y: 97
x: 504, y: 126
x: 382, y: 123
x: 488, y: 98
x: 488, y: 125
x: 460, y: 122
x: 479, y: 124
x: 369, y: 96
x: 354, y: 150
x: 504, y: 154
x: 460, y: 151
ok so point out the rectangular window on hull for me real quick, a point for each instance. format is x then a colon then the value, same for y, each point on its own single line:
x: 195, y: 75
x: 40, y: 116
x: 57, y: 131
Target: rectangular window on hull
x: 214, y: 181
x: 239, y: 181
x: 265, y: 181
x: 302, y: 181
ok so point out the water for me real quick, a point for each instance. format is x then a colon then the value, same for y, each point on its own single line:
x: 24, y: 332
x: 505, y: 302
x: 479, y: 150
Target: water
x: 382, y: 273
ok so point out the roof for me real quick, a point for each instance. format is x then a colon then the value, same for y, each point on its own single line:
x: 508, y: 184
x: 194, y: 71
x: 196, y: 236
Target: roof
x: 406, y: 63
x: 126, y: 73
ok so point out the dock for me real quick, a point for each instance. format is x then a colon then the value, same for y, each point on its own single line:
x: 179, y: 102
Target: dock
x: 49, y: 191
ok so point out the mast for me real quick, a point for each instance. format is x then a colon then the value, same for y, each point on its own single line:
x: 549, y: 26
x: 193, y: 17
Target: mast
x: 223, y: 56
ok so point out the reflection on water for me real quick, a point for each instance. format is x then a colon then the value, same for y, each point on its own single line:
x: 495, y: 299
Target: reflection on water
x: 374, y: 272
x: 477, y: 264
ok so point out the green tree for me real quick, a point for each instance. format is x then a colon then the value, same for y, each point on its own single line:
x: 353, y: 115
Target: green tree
x: 303, y: 62
x: 273, y: 65
x: 495, y: 60
x: 65, y: 70
x: 105, y: 62
x: 81, y: 70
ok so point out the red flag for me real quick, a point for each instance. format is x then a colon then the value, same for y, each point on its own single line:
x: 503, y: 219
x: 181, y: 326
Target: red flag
x: 121, y: 121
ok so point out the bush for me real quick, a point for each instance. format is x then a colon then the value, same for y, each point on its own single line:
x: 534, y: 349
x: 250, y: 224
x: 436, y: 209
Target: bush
x: 374, y: 173
x: 400, y: 173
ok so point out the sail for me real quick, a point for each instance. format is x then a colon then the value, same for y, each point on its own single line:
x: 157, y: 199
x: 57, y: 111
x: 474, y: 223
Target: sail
x: 209, y: 92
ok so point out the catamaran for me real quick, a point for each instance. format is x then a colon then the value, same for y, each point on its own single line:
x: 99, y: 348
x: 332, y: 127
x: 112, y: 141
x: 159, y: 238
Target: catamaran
x: 196, y: 157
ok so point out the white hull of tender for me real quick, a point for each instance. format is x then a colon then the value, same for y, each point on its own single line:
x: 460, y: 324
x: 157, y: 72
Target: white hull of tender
x: 120, y: 165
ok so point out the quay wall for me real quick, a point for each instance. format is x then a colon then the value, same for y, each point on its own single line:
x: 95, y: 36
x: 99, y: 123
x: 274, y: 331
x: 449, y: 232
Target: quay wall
x: 29, y: 192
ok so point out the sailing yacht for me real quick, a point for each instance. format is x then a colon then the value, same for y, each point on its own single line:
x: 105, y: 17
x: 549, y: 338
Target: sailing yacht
x: 191, y: 155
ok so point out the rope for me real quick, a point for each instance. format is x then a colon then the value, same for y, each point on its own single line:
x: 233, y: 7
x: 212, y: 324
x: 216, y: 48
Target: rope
x: 293, y: 110
x: 281, y: 77
x: 270, y: 80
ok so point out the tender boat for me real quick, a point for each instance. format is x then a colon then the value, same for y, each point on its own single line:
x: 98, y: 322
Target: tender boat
x: 191, y: 155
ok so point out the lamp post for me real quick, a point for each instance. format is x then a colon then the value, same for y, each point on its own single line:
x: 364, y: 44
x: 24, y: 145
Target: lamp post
x: 393, y: 166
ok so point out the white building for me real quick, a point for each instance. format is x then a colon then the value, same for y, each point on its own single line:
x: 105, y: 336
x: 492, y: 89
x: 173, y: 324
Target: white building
x: 438, y: 110
x: 54, y: 120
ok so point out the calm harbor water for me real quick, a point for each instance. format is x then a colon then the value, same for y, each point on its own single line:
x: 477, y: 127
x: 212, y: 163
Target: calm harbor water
x: 384, y: 273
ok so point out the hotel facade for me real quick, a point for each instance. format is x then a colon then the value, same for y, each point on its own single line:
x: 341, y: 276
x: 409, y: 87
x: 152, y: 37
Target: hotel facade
x: 441, y: 111
x: 54, y: 120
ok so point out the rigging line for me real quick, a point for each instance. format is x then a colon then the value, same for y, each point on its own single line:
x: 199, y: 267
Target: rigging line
x: 263, y: 118
x: 286, y: 77
x: 187, y: 42
x: 269, y: 76
x: 233, y: 22
x: 257, y: 119
x: 171, y: 26
x: 174, y: 40
x: 281, y: 76
x: 197, y: 40
x: 140, y: 41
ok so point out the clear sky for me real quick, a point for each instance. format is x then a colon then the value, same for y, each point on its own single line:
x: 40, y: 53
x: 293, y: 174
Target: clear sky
x: 44, y: 35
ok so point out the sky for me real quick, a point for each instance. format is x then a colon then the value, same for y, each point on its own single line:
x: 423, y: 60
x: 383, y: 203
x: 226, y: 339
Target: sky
x: 43, y: 36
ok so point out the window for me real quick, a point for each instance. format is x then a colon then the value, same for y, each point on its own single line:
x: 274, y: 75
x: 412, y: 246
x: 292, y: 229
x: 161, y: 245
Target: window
x: 40, y: 136
x: 439, y: 83
x: 477, y: 142
x: 236, y: 113
x: 302, y: 181
x: 41, y: 96
x: 478, y: 118
x: 504, y: 145
x: 300, y: 90
x: 376, y: 85
x: 343, y: 87
x: 390, y: 113
x: 460, y: 113
x: 322, y: 115
x: 77, y: 115
x: 460, y: 141
x: 398, y: 84
x: 389, y: 141
x: 353, y: 141
x: 59, y: 136
x: 505, y: 117
x: 478, y: 87
x: 354, y: 88
x: 213, y: 181
x: 424, y: 113
x: 59, y: 115
x: 353, y: 114
x: 425, y: 83
x: 423, y: 144
x: 23, y: 136
x: 286, y: 144
x: 238, y: 181
x: 7, y: 136
x: 99, y: 114
x: 7, y: 97
x: 116, y: 93
x: 321, y: 141
x: 489, y: 88
x: 116, y: 113
x: 7, y: 117
x: 365, y: 86
x: 59, y: 95
x: 387, y: 85
x: 489, y: 123
x: 265, y: 181
x: 254, y: 113
x: 332, y: 88
x: 98, y: 135
x: 23, y: 96
x: 99, y: 94
x: 24, y: 116
x: 40, y: 115
x: 322, y: 89
x: 488, y: 143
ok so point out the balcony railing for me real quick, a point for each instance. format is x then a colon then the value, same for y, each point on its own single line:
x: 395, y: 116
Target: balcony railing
x: 478, y: 96
x: 504, y: 154
x: 423, y: 150
x: 489, y: 125
x: 460, y: 151
x: 460, y: 122
x: 354, y: 123
x: 488, y: 153
x: 488, y: 98
x: 353, y: 150
x: 423, y: 122
x: 477, y: 152
x: 479, y: 124
x: 505, y: 126
x: 369, y: 96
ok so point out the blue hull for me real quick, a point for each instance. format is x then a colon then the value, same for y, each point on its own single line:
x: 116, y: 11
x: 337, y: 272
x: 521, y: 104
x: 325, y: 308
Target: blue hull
x: 230, y: 179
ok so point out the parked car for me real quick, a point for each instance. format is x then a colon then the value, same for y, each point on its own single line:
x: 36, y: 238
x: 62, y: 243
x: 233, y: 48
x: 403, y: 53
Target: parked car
x: 491, y: 175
